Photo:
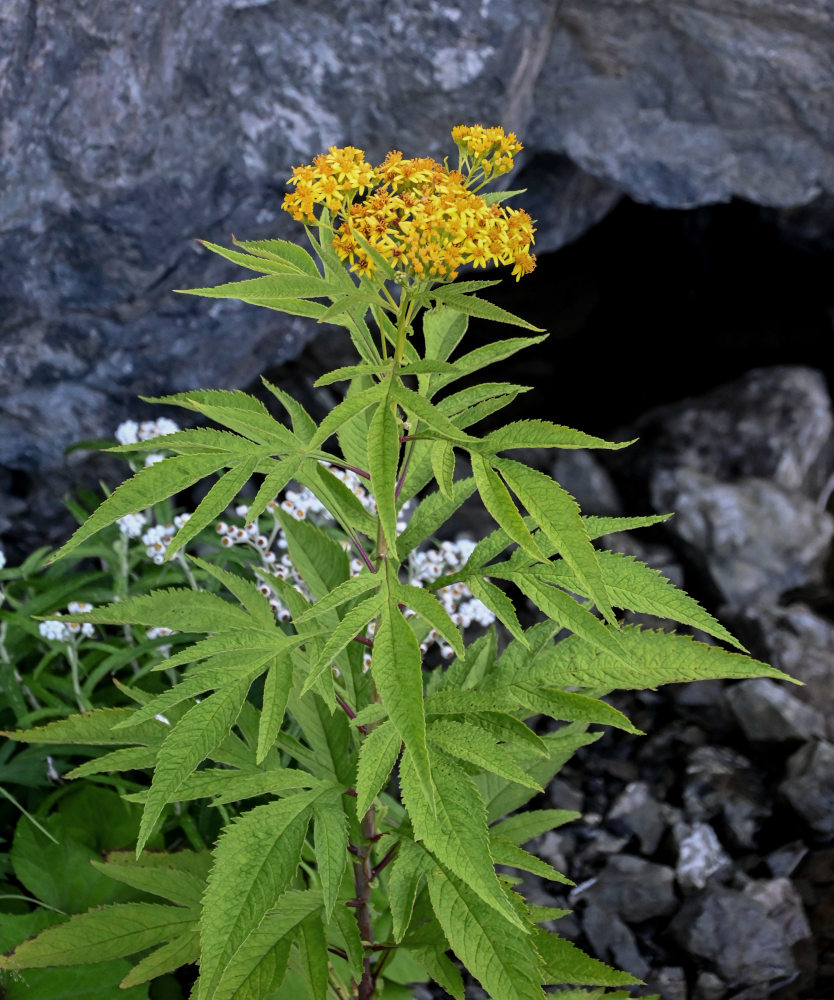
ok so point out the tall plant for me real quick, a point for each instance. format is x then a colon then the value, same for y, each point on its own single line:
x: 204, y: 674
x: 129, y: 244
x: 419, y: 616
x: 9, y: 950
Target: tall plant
x: 339, y: 685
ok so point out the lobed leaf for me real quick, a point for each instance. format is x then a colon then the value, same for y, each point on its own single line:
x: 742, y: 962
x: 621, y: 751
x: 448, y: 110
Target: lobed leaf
x: 377, y: 755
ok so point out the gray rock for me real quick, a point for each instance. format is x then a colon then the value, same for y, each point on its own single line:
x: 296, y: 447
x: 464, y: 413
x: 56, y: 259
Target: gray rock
x: 755, y: 539
x: 612, y: 941
x: 773, y: 423
x: 669, y: 981
x: 809, y: 785
x: 587, y: 481
x: 799, y: 641
x: 634, y: 889
x: 783, y: 905
x: 784, y: 860
x: 736, y: 935
x: 564, y: 796
x: 700, y: 855
x: 721, y: 781
x: 767, y: 711
x: 640, y: 813
x: 708, y: 986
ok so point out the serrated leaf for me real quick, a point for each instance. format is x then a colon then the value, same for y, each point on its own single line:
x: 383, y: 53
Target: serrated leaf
x: 433, y: 512
x: 497, y: 953
x: 282, y: 251
x: 443, y: 330
x: 257, y: 966
x: 170, y: 883
x: 433, y: 613
x: 353, y: 624
x: 441, y: 969
x: 499, y: 604
x: 500, y: 505
x: 128, y: 759
x: 407, y: 875
x: 468, y: 742
x: 455, y: 831
x: 418, y: 406
x: 105, y: 933
x: 255, y: 262
x: 193, y: 738
x: 377, y: 756
x: 331, y: 841
x: 274, y: 704
x: 346, y: 591
x: 320, y: 560
x: 443, y: 464
x: 176, y: 608
x: 352, y: 405
x: 255, y: 859
x: 396, y: 667
x: 180, y: 951
x: 95, y: 729
x: 224, y: 785
x: 543, y: 434
x: 599, y: 526
x: 654, y: 658
x: 563, y: 962
x: 244, y: 590
x: 473, y: 306
x: 557, y: 513
x: 271, y: 290
x: 636, y: 586
x: 383, y: 459
x: 277, y: 475
x: 506, y: 853
x: 524, y: 826
x: 313, y: 956
x: 147, y: 487
x: 348, y: 931
x: 303, y: 425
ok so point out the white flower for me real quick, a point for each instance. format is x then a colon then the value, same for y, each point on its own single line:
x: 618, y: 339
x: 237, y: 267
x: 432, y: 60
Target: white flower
x: 57, y: 631
x: 127, y: 432
x: 79, y: 607
x: 2, y: 559
x: 156, y: 428
x: 153, y: 457
x: 132, y: 524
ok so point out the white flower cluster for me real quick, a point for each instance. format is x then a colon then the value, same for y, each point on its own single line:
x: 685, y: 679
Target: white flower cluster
x: 67, y: 631
x: 130, y: 432
x: 132, y: 524
x: 2, y: 559
x: 157, y: 539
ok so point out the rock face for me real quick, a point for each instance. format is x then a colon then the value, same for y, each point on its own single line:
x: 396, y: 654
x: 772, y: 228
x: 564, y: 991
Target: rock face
x: 130, y: 128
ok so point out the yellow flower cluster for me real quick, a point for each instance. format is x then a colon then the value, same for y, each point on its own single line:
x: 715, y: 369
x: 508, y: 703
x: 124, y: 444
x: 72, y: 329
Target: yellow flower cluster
x: 416, y: 213
x: 487, y: 148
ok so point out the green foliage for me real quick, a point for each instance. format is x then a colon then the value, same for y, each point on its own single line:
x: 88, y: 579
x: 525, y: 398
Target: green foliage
x: 361, y: 794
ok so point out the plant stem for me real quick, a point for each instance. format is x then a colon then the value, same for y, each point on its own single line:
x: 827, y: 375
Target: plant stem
x: 362, y: 878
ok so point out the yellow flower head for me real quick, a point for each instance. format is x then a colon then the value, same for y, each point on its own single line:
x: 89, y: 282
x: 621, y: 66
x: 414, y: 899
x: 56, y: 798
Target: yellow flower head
x: 422, y: 217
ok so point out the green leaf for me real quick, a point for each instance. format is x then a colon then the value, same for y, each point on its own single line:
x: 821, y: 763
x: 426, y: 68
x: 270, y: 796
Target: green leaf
x: 634, y: 585
x: 272, y: 290
x: 433, y: 613
x: 149, y: 486
x: 500, y: 505
x: 441, y: 969
x: 418, y: 406
x: 383, y: 458
x: 499, y: 604
x: 213, y: 503
x: 599, y: 526
x: 407, y: 874
x: 346, y: 591
x: 524, y: 826
x: 283, y: 252
x: 543, y: 434
x: 303, y: 425
x: 377, y: 756
x: 129, y: 759
x: 654, y: 658
x: 169, y: 882
x: 496, y: 952
x: 346, y: 928
x: 353, y: 624
x: 258, y: 965
x: 179, y: 951
x: 193, y: 738
x: 564, y: 963
x: 257, y: 262
x: 245, y: 591
x: 480, y: 308
x: 397, y: 670
x: 505, y: 853
x: 443, y: 464
x: 94, y: 729
x: 470, y: 743
x: 557, y: 513
x: 274, y: 704
x: 443, y: 330
x: 176, y: 608
x: 255, y: 860
x: 352, y: 405
x: 496, y: 197
x: 455, y: 831
x: 101, y: 934
x: 433, y: 512
x: 331, y: 841
x: 321, y: 561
